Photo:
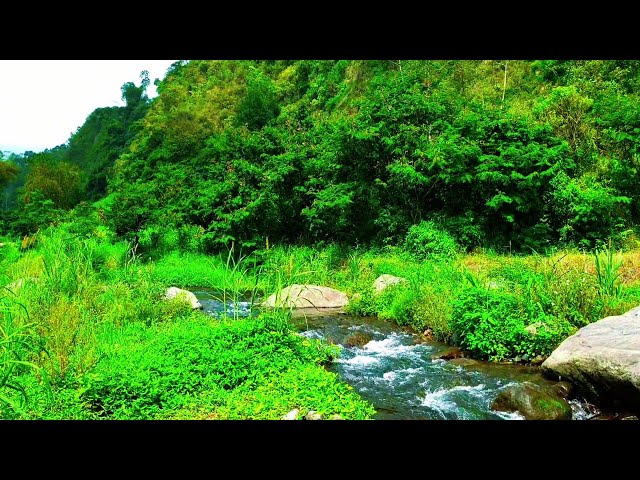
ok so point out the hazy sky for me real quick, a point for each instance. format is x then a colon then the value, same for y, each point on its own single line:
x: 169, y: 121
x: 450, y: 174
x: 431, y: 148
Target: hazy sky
x: 42, y: 102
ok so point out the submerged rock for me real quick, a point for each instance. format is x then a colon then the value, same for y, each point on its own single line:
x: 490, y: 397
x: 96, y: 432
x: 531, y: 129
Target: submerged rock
x: 465, y: 362
x: 358, y: 339
x: 448, y: 354
x: 602, y: 360
x: 385, y: 280
x: 186, y: 295
x: 533, y: 402
x: 307, y: 296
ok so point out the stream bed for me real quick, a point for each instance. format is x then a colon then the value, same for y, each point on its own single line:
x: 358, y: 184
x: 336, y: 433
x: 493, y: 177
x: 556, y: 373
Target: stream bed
x: 392, y: 367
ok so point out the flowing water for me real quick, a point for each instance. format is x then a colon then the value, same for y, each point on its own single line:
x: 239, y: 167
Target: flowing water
x: 393, y: 368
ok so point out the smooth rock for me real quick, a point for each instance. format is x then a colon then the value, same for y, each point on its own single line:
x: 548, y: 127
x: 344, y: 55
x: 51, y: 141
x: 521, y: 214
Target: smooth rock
x: 634, y: 312
x: 336, y: 416
x: 602, y: 360
x: 292, y: 415
x: 186, y: 295
x: 307, y: 296
x: 385, y: 280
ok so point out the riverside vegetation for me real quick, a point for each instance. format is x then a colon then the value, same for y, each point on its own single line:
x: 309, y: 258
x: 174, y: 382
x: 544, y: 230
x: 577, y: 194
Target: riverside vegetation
x: 504, y: 192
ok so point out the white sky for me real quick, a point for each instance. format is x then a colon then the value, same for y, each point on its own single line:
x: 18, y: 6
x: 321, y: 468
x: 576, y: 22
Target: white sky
x: 42, y: 102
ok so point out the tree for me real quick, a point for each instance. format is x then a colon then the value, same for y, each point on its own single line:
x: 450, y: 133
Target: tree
x: 8, y: 172
x: 59, y: 182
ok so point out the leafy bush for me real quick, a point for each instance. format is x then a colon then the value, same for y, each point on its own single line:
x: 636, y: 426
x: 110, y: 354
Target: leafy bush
x: 465, y: 230
x: 492, y: 324
x: 38, y: 213
x: 586, y: 211
x: 427, y: 240
x: 158, y: 372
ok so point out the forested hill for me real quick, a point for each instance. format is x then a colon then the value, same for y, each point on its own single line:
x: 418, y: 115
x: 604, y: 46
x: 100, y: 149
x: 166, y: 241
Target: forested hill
x: 531, y: 154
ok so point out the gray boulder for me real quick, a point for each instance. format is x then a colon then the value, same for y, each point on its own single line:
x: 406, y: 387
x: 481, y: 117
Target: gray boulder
x: 307, y: 296
x: 385, y: 280
x: 602, y: 360
x: 186, y: 295
x: 533, y: 402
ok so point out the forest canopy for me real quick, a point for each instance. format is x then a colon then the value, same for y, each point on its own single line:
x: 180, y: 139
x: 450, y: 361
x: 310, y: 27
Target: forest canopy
x: 529, y: 154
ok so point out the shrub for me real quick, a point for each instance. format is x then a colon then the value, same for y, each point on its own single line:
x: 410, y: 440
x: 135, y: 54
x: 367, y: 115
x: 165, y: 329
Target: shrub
x: 202, y: 365
x: 465, y: 230
x: 492, y: 324
x: 426, y: 240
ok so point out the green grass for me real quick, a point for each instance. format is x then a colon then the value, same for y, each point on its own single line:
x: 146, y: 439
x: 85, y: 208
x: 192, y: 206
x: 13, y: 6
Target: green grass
x: 86, y: 333
x: 97, y: 326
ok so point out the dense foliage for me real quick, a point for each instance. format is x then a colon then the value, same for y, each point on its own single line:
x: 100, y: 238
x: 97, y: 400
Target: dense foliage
x: 251, y: 175
x: 516, y: 155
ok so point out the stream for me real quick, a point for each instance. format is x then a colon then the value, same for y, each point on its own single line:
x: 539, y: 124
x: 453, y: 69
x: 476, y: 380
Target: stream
x: 392, y: 367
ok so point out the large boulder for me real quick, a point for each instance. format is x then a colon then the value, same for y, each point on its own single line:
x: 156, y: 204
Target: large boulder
x: 186, y: 295
x: 386, y: 280
x: 533, y: 402
x: 307, y: 296
x: 602, y: 360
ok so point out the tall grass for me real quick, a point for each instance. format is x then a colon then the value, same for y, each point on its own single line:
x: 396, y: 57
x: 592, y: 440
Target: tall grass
x: 19, y: 342
x: 608, y: 277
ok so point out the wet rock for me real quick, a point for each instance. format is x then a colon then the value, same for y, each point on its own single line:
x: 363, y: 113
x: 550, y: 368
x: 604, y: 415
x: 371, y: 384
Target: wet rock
x: 629, y: 417
x: 292, y: 415
x: 358, y: 339
x: 448, y: 354
x: 538, y: 360
x: 186, y: 295
x: 313, y: 415
x: 385, y: 280
x: 533, y: 402
x: 307, y: 296
x: 564, y: 389
x: 465, y: 362
x: 428, y: 334
x: 336, y: 416
x: 602, y: 360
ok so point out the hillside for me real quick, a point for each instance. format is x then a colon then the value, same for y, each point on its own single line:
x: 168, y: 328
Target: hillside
x: 529, y: 154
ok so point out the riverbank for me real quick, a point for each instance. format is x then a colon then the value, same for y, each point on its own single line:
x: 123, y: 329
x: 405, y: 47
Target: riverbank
x: 88, y: 334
